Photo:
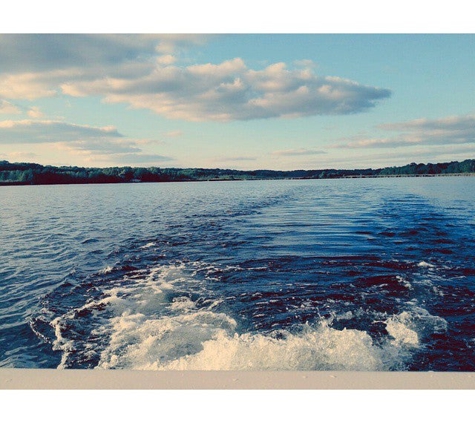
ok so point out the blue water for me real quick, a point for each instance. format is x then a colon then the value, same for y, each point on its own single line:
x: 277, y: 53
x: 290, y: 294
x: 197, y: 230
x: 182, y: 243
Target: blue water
x: 348, y: 274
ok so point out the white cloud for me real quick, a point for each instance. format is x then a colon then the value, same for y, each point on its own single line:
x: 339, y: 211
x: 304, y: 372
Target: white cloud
x: 35, y: 112
x: 92, y: 143
x: 375, y: 143
x: 8, y: 108
x: 142, y: 71
x: 298, y: 152
x: 113, y: 152
x: 101, y: 146
x: 45, y: 52
x: 170, y: 43
x: 30, y: 86
x: 50, y: 131
x: 451, y: 130
x: 305, y: 63
x: 37, y: 65
x: 232, y: 91
x: 174, y: 133
x: 166, y: 59
x: 149, y: 142
x: 444, y: 123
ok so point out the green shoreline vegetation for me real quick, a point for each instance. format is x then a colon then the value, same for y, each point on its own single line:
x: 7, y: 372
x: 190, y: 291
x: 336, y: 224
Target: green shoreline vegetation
x: 37, y: 174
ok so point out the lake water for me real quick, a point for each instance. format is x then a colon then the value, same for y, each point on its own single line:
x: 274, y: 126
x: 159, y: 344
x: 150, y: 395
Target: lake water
x: 347, y: 274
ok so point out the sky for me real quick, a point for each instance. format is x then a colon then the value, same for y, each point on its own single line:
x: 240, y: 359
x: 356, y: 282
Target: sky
x: 245, y: 101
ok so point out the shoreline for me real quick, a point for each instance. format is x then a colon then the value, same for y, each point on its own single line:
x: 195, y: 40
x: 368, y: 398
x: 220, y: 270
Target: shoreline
x: 37, y: 174
x: 245, y: 180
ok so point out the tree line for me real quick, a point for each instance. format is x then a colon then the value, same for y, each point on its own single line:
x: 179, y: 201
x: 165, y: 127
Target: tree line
x: 37, y: 174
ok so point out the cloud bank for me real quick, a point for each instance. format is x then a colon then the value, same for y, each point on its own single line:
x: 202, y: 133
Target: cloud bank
x: 37, y: 53
x: 452, y: 129
x: 49, y: 131
x: 446, y: 131
x: 143, y: 71
x: 231, y: 91
x: 104, y: 143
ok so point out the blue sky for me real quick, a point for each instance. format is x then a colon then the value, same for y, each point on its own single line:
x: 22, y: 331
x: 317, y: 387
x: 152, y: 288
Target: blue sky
x: 244, y: 101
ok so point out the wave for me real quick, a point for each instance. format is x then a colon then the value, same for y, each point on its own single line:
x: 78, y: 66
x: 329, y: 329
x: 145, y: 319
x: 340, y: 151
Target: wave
x: 204, y: 340
x: 167, y: 318
x: 200, y: 342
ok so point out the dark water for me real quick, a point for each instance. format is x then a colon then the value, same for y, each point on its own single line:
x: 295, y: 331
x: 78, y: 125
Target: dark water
x: 360, y: 274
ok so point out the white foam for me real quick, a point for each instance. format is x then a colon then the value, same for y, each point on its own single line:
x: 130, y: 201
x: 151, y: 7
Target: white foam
x: 206, y: 341
x: 185, y: 337
x: 139, y: 342
x: 404, y: 282
x: 64, y: 344
x: 398, y: 328
x: 156, y: 325
x: 182, y: 303
x: 346, y: 316
x: 106, y: 270
x: 128, y: 297
x: 198, y: 339
x: 148, y: 245
x: 424, y: 264
x: 61, y: 343
x: 408, y: 328
x: 323, y: 348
